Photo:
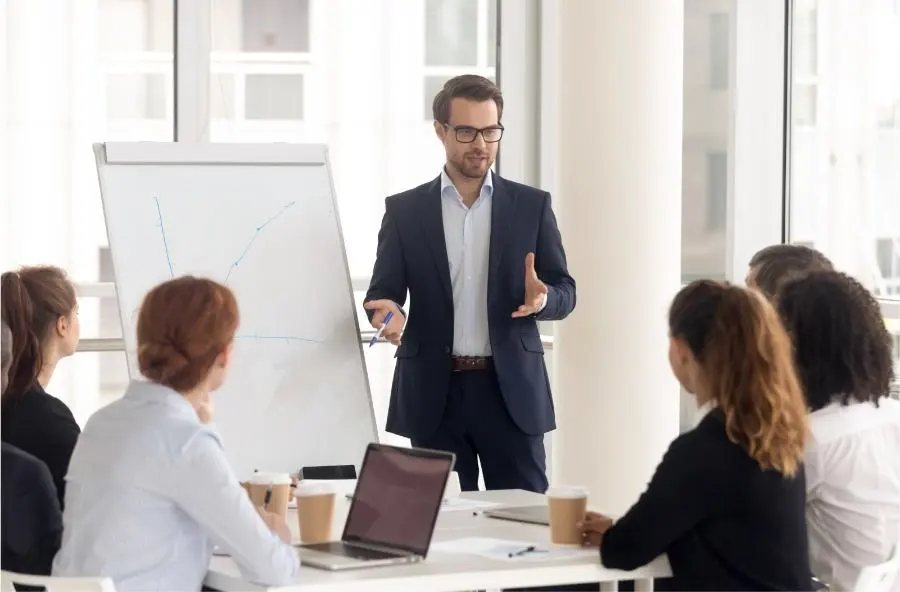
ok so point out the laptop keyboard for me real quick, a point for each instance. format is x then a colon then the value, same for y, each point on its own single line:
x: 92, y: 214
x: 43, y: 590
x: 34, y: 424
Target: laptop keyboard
x: 351, y: 551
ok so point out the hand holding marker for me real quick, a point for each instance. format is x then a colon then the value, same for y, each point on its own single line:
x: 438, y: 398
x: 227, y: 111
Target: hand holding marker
x: 384, y: 324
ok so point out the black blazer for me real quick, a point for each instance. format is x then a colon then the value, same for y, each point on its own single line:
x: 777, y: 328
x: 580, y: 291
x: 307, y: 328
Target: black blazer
x: 44, y: 427
x: 725, y: 523
x: 31, y: 519
x: 412, y: 255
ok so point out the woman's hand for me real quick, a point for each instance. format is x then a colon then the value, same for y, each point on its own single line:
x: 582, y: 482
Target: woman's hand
x: 276, y: 524
x: 205, y: 409
x: 593, y: 527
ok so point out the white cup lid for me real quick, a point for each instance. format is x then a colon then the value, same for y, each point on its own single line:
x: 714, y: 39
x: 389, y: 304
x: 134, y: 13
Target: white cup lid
x: 568, y: 492
x: 308, y: 488
x: 260, y: 478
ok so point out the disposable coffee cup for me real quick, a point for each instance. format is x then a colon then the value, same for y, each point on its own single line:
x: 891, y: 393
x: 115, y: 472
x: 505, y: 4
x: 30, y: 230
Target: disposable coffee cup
x: 279, y: 484
x: 567, y: 507
x: 315, y: 511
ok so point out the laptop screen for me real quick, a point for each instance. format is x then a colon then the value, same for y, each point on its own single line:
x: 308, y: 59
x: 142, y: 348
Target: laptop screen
x: 398, y: 497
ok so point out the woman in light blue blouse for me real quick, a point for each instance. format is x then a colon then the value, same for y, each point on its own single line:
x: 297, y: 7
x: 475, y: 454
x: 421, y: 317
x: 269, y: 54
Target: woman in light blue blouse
x: 149, y: 490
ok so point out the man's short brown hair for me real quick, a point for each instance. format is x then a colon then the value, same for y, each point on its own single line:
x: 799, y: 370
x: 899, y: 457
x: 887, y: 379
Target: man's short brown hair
x: 466, y: 86
x: 776, y: 264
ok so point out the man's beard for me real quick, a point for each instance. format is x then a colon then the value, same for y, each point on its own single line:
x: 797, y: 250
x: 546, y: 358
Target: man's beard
x: 473, y: 170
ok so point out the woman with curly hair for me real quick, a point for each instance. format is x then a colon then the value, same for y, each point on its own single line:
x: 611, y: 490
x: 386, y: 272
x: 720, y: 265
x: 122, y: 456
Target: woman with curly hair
x: 726, y: 503
x: 842, y: 350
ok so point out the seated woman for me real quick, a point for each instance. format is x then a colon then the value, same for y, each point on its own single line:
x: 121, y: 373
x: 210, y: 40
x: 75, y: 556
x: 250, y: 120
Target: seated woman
x: 843, y: 357
x: 726, y: 502
x: 150, y: 490
x: 31, y: 522
x: 41, y: 311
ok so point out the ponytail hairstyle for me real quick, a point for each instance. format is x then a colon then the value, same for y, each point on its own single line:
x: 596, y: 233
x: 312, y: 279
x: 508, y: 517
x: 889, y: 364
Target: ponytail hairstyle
x: 746, y: 367
x: 33, y: 298
x: 184, y: 324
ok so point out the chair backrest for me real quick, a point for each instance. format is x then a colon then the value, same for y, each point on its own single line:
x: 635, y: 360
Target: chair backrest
x: 881, y: 577
x: 55, y: 584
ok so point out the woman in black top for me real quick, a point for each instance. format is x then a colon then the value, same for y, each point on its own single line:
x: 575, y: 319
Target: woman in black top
x: 726, y: 503
x: 41, y: 311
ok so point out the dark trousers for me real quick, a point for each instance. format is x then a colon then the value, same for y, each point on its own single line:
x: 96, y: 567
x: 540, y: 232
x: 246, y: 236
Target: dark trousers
x: 476, y: 426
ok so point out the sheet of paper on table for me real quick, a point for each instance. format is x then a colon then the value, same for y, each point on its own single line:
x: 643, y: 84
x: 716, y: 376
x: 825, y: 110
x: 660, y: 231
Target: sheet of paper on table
x: 501, y: 550
x: 456, y: 504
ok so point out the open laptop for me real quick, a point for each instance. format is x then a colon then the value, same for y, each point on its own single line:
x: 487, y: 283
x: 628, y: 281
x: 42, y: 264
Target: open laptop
x: 393, y: 511
x: 529, y: 514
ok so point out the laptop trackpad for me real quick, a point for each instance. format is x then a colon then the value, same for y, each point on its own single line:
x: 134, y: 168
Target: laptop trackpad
x: 350, y: 551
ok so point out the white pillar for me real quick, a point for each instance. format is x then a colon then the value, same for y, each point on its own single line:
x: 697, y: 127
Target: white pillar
x: 619, y: 162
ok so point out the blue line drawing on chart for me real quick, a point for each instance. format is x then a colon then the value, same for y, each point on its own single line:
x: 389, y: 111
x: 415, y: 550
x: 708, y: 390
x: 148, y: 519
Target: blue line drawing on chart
x: 251, y: 336
x: 259, y: 230
x: 288, y: 338
x: 162, y: 230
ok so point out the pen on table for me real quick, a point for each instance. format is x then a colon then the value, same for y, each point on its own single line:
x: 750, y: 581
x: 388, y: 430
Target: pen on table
x: 349, y: 498
x: 377, y: 336
x: 520, y: 552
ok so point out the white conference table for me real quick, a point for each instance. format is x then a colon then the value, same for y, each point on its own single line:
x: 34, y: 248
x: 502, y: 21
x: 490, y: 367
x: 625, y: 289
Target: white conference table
x: 452, y: 572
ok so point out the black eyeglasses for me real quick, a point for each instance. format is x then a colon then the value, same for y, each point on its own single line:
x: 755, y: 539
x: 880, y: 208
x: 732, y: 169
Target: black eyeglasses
x: 467, y: 135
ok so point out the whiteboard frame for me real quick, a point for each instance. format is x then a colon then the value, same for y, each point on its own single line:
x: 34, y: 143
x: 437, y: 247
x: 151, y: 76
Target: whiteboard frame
x: 228, y: 154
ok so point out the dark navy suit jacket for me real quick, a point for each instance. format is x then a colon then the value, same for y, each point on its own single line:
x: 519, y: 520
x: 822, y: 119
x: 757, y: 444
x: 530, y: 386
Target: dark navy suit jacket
x: 31, y: 519
x: 412, y: 256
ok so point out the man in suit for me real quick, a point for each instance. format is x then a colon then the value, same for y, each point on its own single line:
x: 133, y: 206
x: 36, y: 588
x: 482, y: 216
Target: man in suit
x: 482, y: 260
x: 30, y: 518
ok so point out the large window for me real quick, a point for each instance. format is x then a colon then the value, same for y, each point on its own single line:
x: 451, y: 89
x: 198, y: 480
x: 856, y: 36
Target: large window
x: 77, y: 73
x: 708, y: 101
x: 845, y: 136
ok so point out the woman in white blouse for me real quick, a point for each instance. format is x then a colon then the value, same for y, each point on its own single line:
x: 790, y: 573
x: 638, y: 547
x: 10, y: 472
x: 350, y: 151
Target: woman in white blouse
x: 843, y: 356
x: 149, y: 490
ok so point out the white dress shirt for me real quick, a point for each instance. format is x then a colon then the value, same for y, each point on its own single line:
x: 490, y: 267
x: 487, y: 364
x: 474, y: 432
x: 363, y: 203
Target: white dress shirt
x: 853, y: 489
x: 467, y: 233
x: 149, y: 491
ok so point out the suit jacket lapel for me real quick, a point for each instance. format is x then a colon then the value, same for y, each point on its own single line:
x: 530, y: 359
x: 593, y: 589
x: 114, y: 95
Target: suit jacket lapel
x: 432, y: 218
x: 502, y: 210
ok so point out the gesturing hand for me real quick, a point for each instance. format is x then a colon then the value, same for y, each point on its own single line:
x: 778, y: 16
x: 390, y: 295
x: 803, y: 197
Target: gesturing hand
x: 394, y: 329
x: 593, y: 527
x: 535, y: 291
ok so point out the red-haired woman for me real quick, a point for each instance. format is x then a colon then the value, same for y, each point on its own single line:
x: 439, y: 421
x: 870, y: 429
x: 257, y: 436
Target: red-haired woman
x: 150, y: 490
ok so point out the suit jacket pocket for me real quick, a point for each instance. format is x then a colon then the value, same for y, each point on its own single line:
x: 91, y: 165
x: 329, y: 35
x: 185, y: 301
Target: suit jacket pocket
x: 532, y: 343
x: 407, y: 349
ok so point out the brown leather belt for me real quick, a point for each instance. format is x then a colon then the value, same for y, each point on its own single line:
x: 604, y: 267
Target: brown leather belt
x: 466, y: 363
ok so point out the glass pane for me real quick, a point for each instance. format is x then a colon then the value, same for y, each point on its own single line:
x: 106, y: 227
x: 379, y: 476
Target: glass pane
x: 719, y: 54
x: 844, y: 175
x: 805, y: 42
x: 136, y: 97
x: 493, y: 6
x: 222, y: 96
x: 135, y: 25
x: 268, y: 26
x: 273, y: 96
x: 451, y: 32
x: 803, y: 104
x: 708, y: 102
x: 433, y: 85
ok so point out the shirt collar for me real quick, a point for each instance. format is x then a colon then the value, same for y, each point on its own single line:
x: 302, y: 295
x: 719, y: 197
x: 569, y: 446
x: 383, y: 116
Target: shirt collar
x: 151, y: 392
x: 487, y: 188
